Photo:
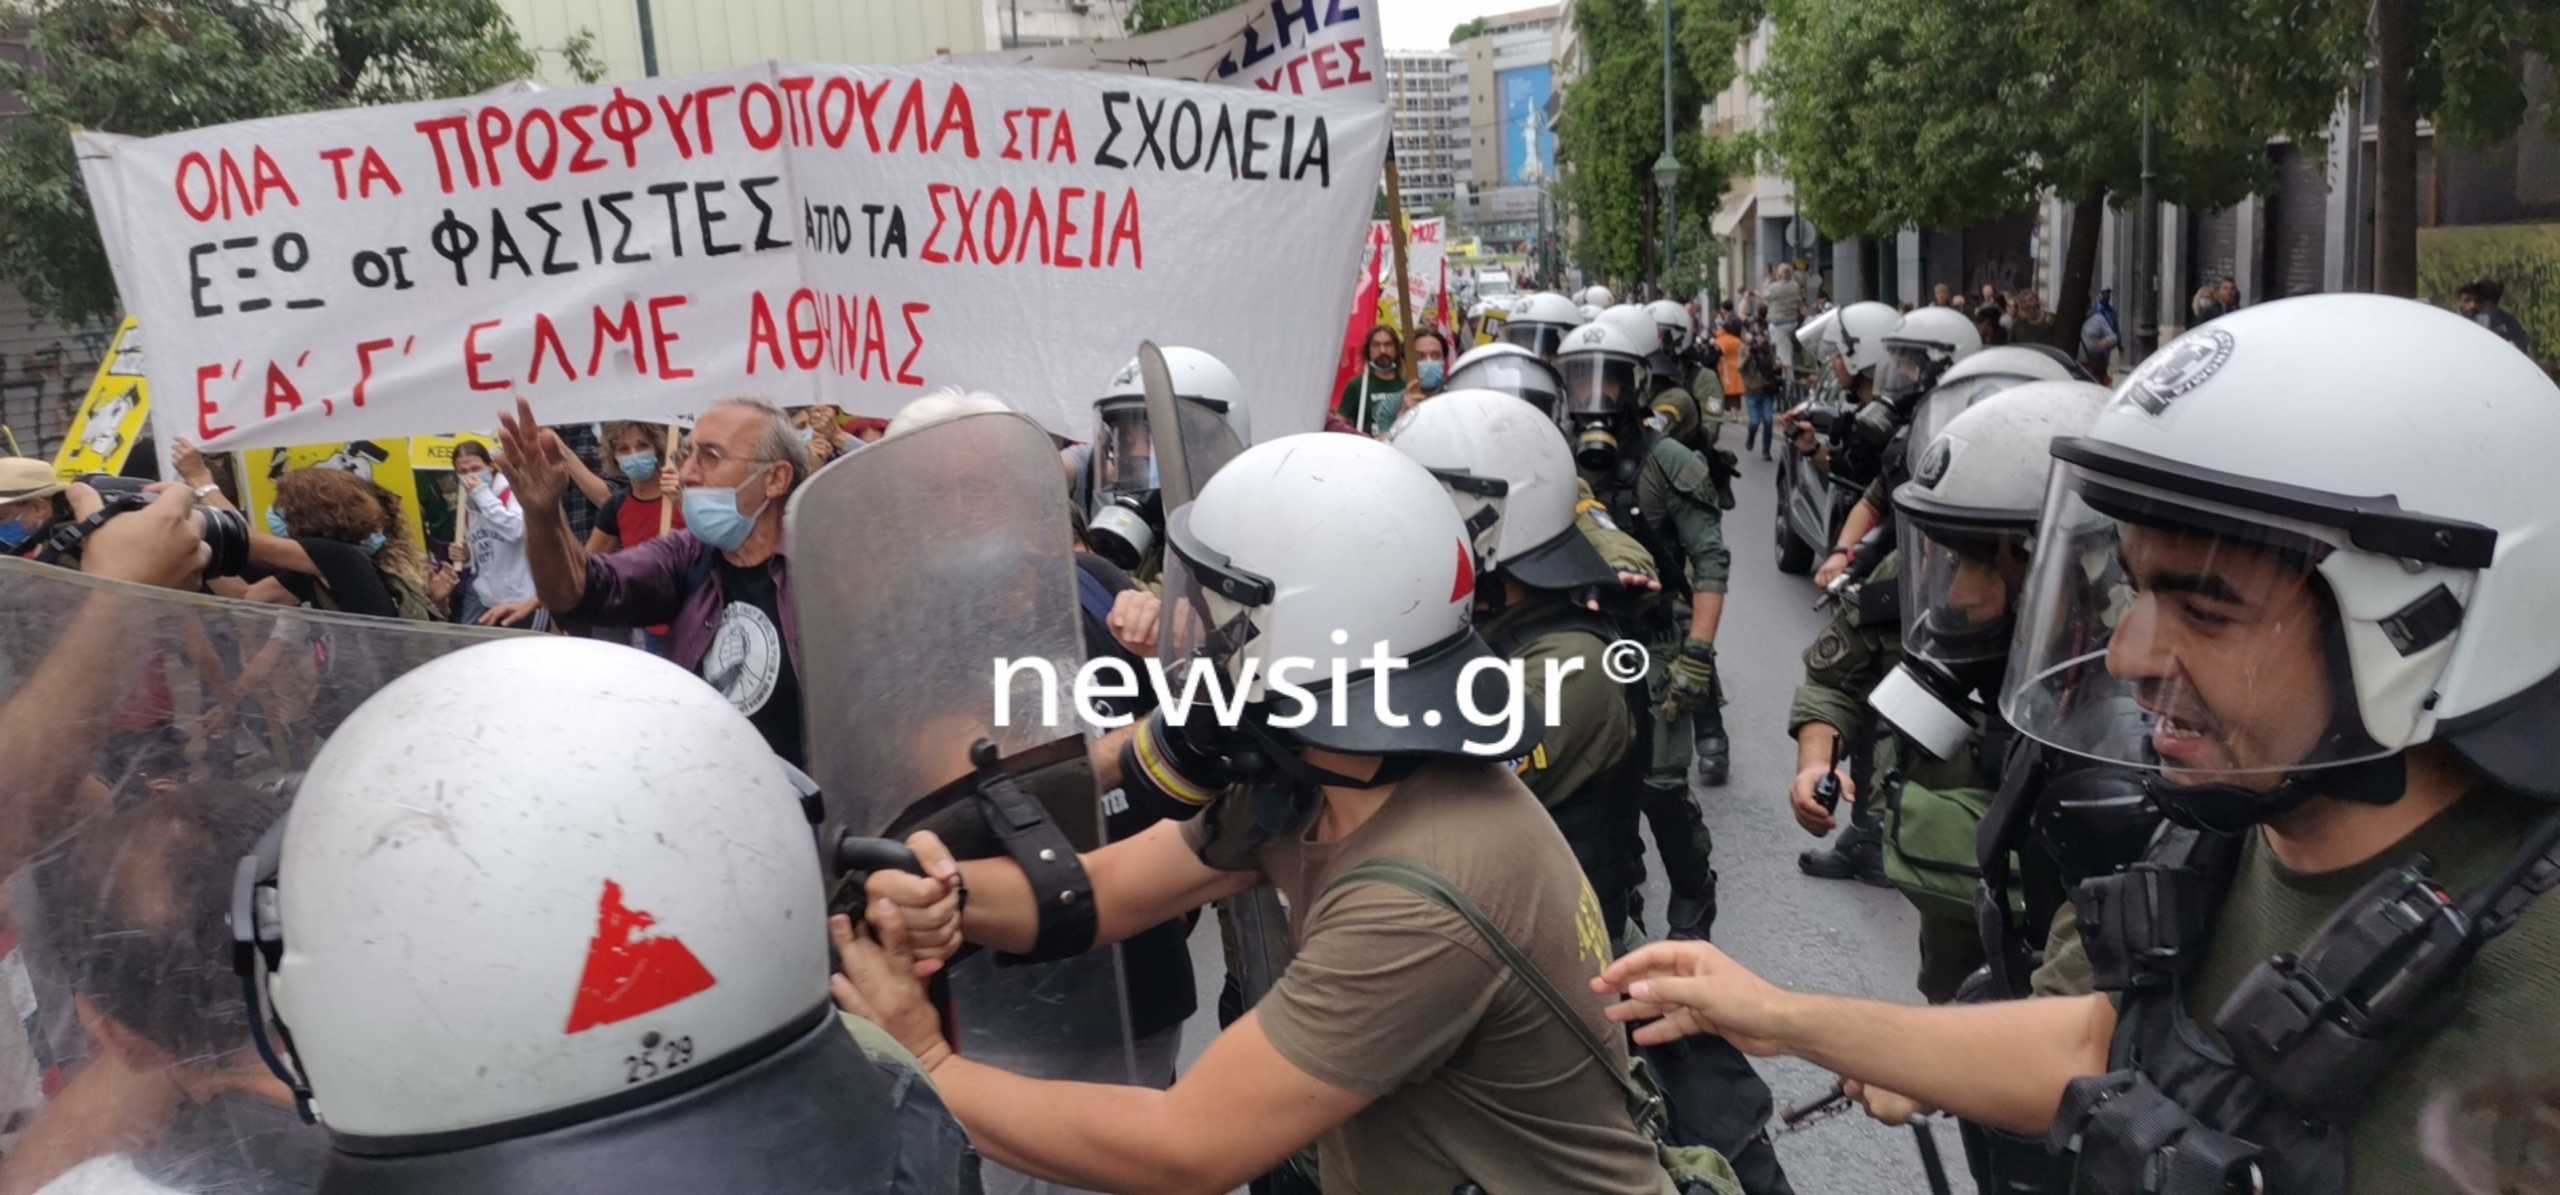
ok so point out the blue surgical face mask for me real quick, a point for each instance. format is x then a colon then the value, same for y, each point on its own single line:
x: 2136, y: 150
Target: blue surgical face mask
x: 14, y: 534
x: 1432, y: 374
x: 713, y: 516
x: 639, y: 466
x: 374, y: 543
x: 276, y: 525
x: 807, y: 434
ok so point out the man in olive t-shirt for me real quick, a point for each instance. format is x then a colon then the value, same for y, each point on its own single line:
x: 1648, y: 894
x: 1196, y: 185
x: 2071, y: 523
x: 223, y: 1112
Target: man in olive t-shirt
x: 1393, y: 996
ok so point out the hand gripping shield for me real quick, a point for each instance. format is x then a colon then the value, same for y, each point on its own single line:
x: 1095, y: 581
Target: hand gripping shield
x: 935, y: 587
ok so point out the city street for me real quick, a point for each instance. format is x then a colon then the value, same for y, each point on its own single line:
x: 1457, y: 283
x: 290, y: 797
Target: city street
x: 1800, y: 932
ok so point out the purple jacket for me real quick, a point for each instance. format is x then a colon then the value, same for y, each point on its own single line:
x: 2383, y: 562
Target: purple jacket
x: 670, y: 579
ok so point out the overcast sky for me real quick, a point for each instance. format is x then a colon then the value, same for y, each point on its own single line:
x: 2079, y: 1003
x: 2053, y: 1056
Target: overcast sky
x: 1425, y: 24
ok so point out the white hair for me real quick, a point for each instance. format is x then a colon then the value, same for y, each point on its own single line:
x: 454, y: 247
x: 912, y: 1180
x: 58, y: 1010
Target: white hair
x: 943, y: 406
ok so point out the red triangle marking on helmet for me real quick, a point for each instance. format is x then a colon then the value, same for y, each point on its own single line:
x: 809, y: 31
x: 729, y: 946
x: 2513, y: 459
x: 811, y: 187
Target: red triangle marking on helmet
x: 628, y: 975
x: 1465, y: 586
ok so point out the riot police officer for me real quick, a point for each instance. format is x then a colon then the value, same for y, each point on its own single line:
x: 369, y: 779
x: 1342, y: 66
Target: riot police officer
x: 1661, y: 489
x: 555, y: 963
x: 1539, y: 323
x: 2341, y: 701
x: 1123, y: 509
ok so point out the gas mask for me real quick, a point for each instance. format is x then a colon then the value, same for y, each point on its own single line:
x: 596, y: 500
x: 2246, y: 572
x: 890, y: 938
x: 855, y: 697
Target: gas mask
x: 1602, y: 392
x: 1123, y: 510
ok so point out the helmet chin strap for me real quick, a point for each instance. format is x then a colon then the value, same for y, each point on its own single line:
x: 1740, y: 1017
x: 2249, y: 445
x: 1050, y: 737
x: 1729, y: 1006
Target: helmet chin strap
x: 2229, y: 808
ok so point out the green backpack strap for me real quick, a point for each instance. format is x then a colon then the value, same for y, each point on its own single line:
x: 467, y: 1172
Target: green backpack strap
x: 1645, y: 1104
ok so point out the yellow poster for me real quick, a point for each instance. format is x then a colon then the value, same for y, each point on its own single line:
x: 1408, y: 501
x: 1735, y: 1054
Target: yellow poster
x: 112, y: 417
x: 387, y: 463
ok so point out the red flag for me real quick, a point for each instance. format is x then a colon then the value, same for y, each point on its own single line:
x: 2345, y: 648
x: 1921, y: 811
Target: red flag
x: 1355, y: 336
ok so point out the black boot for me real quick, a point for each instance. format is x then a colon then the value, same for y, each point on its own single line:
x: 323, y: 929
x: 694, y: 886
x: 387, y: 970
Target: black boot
x: 1691, y: 917
x: 1857, y: 854
x: 1715, y: 751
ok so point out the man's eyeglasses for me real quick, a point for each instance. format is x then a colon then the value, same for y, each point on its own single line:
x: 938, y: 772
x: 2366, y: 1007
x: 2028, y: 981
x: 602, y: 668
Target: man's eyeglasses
x: 712, y: 456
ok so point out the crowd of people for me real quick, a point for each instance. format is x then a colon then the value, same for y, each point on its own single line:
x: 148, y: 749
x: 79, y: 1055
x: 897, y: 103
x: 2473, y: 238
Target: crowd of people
x: 2160, y: 718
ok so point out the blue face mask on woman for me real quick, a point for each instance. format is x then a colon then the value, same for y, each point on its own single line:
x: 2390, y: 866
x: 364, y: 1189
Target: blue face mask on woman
x: 14, y: 535
x: 374, y: 543
x: 639, y: 466
x: 713, y: 516
x: 276, y: 526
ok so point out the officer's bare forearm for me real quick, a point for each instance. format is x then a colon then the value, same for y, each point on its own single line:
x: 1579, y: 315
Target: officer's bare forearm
x: 558, y: 561
x: 1105, y: 756
x: 2003, y: 1064
x: 1817, y: 744
x: 1861, y: 520
x: 1706, y: 610
x: 1139, y: 883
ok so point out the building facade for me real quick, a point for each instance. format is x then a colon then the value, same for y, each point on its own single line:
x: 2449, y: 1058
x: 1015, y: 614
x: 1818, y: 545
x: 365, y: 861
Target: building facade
x: 1427, y: 91
x: 1510, y: 77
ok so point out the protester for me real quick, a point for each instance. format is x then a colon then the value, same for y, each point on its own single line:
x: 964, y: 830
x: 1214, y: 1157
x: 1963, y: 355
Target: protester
x: 1785, y: 311
x: 2099, y: 339
x: 1941, y: 296
x: 1369, y: 401
x: 722, y: 584
x: 1430, y: 353
x: 2205, y: 306
x: 31, y: 499
x: 335, y: 540
x: 2028, y: 322
x: 2480, y: 303
x: 495, y: 535
x: 642, y: 508
x: 2228, y: 293
x: 1988, y: 320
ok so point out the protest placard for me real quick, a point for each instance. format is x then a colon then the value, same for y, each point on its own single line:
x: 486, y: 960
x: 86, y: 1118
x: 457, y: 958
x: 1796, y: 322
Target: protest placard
x: 1295, y: 46
x: 853, y: 235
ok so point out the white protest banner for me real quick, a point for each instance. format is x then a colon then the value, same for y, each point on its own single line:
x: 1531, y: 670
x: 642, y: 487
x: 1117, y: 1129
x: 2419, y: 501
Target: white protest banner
x: 1426, y: 251
x: 840, y: 234
x: 1297, y: 46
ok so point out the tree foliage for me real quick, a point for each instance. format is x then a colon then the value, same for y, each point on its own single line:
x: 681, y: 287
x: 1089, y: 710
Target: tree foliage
x: 1148, y: 16
x: 1468, y: 29
x: 156, y: 66
x: 1611, y: 130
x: 1946, y: 112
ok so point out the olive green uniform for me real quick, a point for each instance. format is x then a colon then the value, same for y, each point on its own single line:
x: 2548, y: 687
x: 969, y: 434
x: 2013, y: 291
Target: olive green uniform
x: 1586, y: 737
x: 1929, y: 807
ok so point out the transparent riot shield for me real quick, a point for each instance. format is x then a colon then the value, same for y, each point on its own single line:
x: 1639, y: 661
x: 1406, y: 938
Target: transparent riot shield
x: 1254, y: 925
x: 935, y: 586
x: 147, y: 739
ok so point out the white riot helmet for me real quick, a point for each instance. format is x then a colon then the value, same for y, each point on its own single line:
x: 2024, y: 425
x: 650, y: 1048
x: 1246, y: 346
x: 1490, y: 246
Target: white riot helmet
x: 1283, y: 557
x: 1966, y: 527
x: 1637, y: 322
x: 1512, y: 480
x: 1600, y: 297
x: 1513, y: 370
x: 1121, y: 508
x: 1929, y: 340
x: 1978, y: 377
x: 1857, y: 338
x: 1539, y: 323
x: 1605, y: 370
x: 1590, y: 311
x: 2295, y: 579
x: 1815, y: 336
x: 510, y: 914
x: 1673, y: 321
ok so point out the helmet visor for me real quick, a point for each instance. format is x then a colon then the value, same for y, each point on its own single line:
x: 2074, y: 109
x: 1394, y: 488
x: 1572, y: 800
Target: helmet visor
x: 1479, y: 501
x: 1961, y: 579
x: 2164, y: 631
x: 1124, y: 453
x: 1599, y: 383
x: 1908, y: 369
x: 1541, y: 339
x: 1209, y: 604
x: 1534, y: 381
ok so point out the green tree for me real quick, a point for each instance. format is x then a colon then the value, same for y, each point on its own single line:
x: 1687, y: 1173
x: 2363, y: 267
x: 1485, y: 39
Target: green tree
x: 157, y: 66
x: 1946, y: 112
x: 1467, y: 30
x: 2460, y: 64
x: 1611, y: 130
x: 1147, y: 16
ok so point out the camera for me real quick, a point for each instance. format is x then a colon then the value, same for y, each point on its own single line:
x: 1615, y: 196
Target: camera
x: 225, y: 532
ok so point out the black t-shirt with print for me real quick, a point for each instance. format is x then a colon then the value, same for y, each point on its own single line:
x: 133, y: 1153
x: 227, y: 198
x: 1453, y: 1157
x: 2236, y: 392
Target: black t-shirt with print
x: 750, y: 658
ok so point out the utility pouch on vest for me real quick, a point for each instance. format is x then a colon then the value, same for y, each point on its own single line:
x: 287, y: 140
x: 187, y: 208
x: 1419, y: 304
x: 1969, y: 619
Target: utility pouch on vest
x: 2145, y: 924
x: 2319, y: 1028
x: 2134, y: 1140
